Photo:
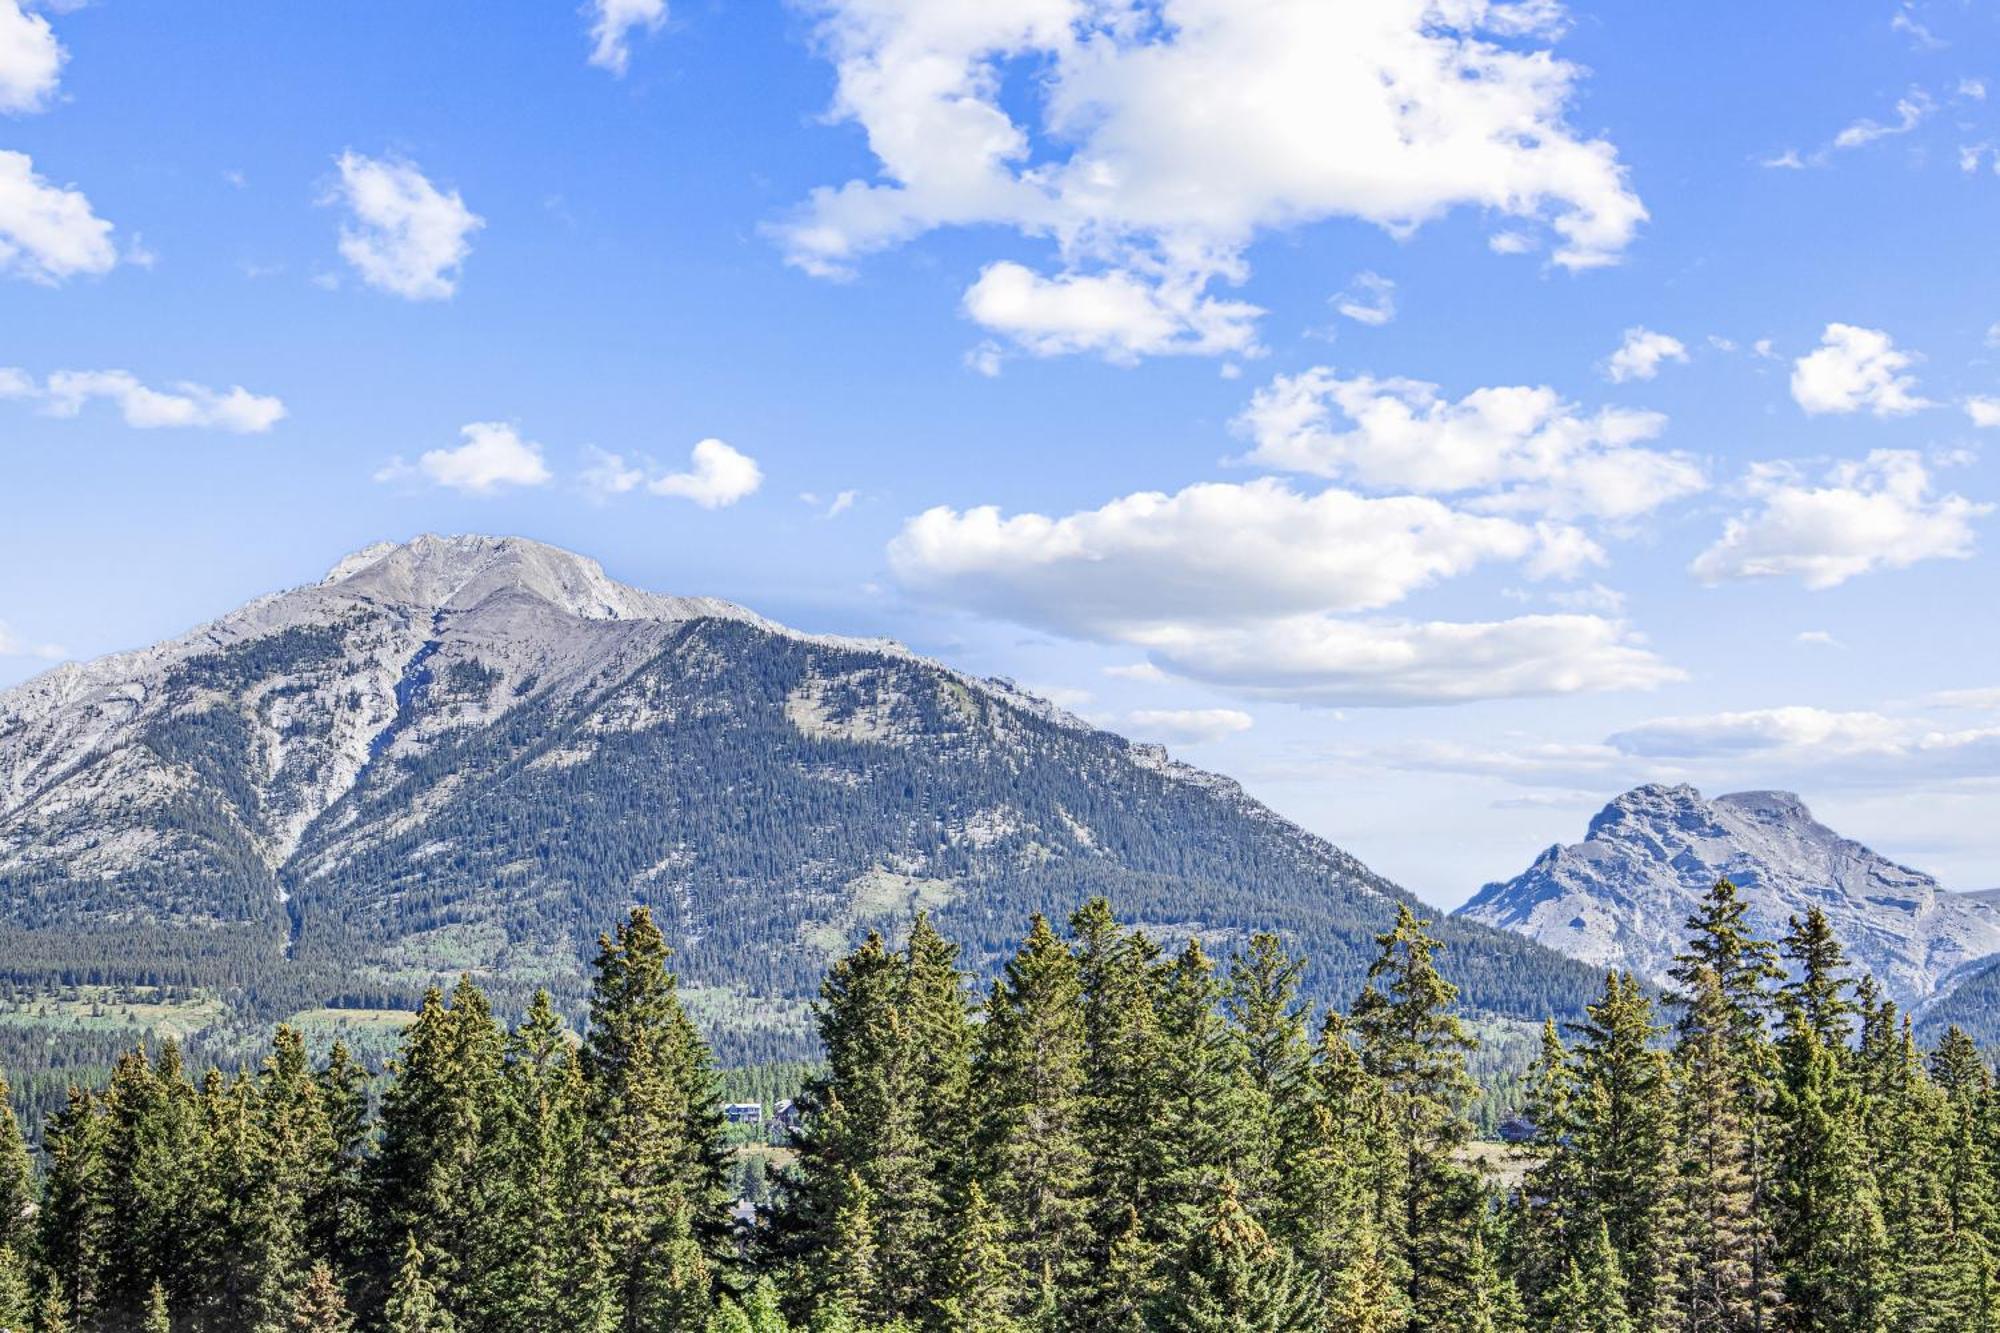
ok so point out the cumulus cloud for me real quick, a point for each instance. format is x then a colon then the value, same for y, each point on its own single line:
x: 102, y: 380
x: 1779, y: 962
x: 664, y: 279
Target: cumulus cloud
x: 65, y: 392
x: 1875, y: 514
x: 1335, y: 661
x: 1192, y: 726
x: 1163, y: 139
x: 1370, y: 299
x: 1640, y: 356
x: 1115, y: 315
x: 1983, y: 411
x: 612, y: 24
x: 30, y: 59
x: 492, y: 458
x: 13, y: 645
x: 1524, y: 448
x: 407, y: 236
x: 718, y: 476
x: 1855, y: 369
x: 48, y: 232
x: 1249, y: 587
x: 1212, y: 552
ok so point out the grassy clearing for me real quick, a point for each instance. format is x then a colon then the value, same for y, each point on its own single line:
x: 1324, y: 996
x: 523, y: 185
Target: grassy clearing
x: 139, y: 1010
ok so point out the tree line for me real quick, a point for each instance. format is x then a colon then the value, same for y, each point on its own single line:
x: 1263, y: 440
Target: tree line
x: 1119, y: 1137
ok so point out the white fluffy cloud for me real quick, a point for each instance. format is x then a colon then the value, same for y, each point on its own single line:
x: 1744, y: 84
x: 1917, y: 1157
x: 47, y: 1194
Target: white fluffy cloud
x: 13, y: 645
x: 1247, y: 586
x: 1370, y: 299
x: 1875, y: 514
x: 494, y: 456
x: 1856, y: 368
x: 65, y: 392
x: 718, y: 476
x: 1192, y: 726
x: 1640, y: 356
x: 1763, y: 730
x: 1523, y: 448
x: 1983, y: 411
x: 612, y: 24
x: 30, y: 59
x: 1214, y: 553
x: 48, y: 232
x: 407, y: 236
x: 1329, y: 660
x: 1116, y: 315
x: 1166, y: 136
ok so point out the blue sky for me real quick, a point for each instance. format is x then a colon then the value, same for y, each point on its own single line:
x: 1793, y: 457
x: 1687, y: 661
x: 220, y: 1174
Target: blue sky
x: 1610, y: 401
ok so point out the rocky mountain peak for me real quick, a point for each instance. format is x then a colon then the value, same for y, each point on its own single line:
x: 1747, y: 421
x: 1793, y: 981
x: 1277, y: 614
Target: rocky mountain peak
x: 459, y: 573
x: 1620, y: 897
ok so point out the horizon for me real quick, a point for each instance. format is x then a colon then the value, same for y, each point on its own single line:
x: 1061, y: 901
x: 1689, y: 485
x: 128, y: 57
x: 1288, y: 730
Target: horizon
x: 1436, y: 489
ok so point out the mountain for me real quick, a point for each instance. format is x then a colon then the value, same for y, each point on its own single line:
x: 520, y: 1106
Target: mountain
x: 475, y: 753
x: 1620, y: 897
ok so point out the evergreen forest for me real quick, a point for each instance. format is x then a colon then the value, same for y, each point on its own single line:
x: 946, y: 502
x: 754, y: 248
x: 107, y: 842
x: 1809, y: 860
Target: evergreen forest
x: 1115, y: 1136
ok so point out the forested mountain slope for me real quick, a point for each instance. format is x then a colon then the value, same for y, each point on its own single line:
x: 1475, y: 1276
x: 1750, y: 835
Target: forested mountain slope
x: 469, y: 752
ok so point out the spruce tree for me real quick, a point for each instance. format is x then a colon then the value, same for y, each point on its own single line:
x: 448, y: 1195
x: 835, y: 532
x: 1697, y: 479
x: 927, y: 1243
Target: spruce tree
x: 1030, y: 1076
x: 984, y: 1282
x: 1268, y: 1022
x: 75, y: 1221
x: 439, y: 1120
x: 1829, y: 1236
x: 17, y: 1179
x: 158, y: 1317
x: 412, y: 1306
x: 319, y: 1306
x: 1412, y: 1042
x: 655, y: 1134
x: 1721, y: 1284
x: 543, y: 1253
x: 17, y: 1293
x: 1195, y: 1136
x: 1234, y: 1280
x: 1621, y: 1134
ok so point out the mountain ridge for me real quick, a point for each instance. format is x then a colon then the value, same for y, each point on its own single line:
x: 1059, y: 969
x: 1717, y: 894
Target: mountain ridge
x: 1619, y: 897
x: 470, y: 752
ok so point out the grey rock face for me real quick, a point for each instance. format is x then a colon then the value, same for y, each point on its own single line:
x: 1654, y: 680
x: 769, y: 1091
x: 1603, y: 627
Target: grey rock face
x: 1620, y: 898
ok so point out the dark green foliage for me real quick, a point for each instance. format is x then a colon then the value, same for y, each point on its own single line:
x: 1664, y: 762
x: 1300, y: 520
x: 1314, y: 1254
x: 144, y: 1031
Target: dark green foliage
x: 1129, y: 1142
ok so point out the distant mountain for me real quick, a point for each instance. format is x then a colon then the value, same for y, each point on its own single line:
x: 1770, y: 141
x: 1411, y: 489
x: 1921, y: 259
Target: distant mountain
x: 1620, y: 897
x: 476, y: 752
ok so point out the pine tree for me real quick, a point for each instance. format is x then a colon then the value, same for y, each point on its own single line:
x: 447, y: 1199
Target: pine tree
x: 1720, y: 1285
x: 413, y: 1305
x: 439, y: 1120
x: 17, y: 1178
x: 1268, y: 1022
x: 17, y: 1294
x: 1336, y: 1172
x: 655, y: 1134
x: 1413, y: 1043
x: 1739, y: 968
x: 1829, y: 1236
x: 75, y: 1220
x: 845, y: 1268
x: 1121, y: 1035
x: 1367, y: 1294
x: 1234, y: 1280
x: 1591, y: 1298
x: 1030, y: 1075
x: 984, y: 1283
x: 320, y: 1307
x: 1621, y: 1134
x: 539, y: 1229
x: 54, y: 1315
x: 1195, y: 1134
x: 158, y: 1318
